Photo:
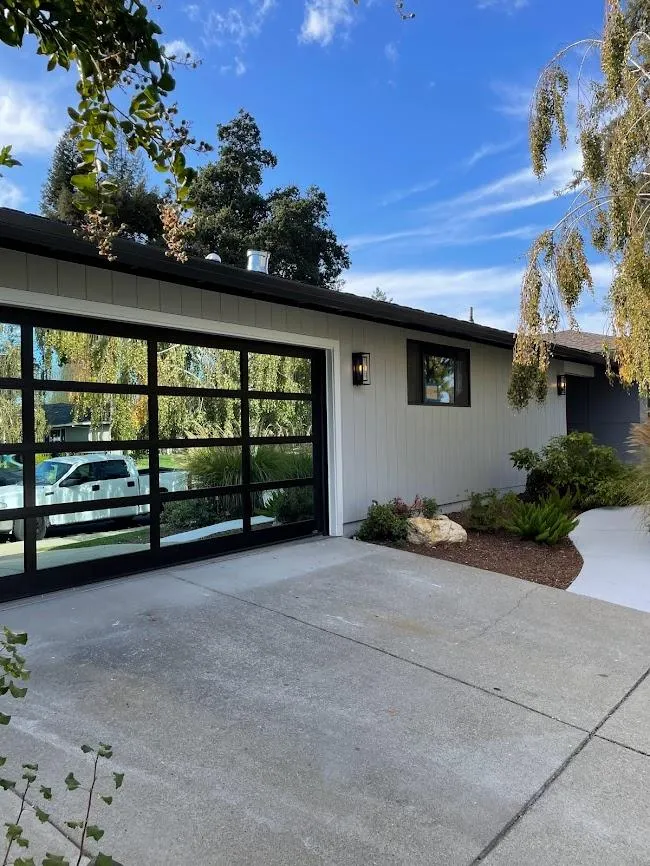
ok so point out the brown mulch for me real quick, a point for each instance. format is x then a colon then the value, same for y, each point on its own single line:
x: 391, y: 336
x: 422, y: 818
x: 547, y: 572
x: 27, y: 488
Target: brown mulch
x: 556, y: 566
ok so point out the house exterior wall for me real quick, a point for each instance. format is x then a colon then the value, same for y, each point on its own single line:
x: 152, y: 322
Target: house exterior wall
x: 387, y: 448
x: 607, y: 410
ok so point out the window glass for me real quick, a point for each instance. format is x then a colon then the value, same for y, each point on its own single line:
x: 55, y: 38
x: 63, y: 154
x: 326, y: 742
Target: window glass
x: 80, y: 357
x: 279, y: 373
x: 197, y: 417
x: 281, y: 462
x: 111, y: 469
x: 200, y: 519
x: 187, y: 366
x: 280, y: 417
x: 439, y: 379
x: 90, y: 535
x: 9, y: 351
x: 87, y: 417
x: 11, y: 551
x: 197, y: 468
x: 279, y: 507
x: 11, y: 421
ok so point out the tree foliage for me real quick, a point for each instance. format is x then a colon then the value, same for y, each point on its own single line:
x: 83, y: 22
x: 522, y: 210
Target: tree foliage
x: 232, y: 214
x: 137, y: 208
x: 611, y: 209
x: 124, y: 84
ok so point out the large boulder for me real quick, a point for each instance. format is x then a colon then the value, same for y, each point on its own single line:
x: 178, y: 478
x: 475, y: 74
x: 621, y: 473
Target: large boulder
x: 435, y: 530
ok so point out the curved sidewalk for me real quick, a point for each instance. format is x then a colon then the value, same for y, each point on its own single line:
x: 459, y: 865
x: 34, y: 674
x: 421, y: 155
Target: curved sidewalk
x: 615, y: 546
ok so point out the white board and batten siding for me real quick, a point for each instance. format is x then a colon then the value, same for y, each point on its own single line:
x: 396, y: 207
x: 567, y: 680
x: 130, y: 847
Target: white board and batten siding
x: 385, y: 447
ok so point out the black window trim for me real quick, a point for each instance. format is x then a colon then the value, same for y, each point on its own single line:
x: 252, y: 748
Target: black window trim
x: 415, y: 378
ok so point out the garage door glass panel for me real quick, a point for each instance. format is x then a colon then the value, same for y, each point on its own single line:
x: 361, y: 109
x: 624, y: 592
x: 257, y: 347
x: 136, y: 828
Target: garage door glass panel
x: 89, y: 536
x: 280, y: 418
x: 11, y: 423
x: 11, y: 556
x: 201, y: 467
x: 187, y: 366
x: 89, y: 417
x: 197, y: 417
x: 81, y: 357
x: 282, y: 507
x: 282, y: 373
x: 200, y: 519
x: 9, y: 351
x: 281, y: 462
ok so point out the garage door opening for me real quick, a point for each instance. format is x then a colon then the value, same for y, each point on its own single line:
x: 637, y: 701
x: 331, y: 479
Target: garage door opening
x: 127, y: 447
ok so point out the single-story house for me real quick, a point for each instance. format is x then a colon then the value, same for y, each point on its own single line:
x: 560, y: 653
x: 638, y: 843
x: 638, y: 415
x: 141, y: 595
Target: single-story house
x: 593, y: 404
x: 396, y: 401
x: 63, y: 427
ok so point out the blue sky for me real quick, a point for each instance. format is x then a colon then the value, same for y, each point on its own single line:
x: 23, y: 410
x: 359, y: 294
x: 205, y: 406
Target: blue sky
x: 416, y: 130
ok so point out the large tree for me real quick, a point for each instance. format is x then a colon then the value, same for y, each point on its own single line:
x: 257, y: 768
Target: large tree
x: 233, y: 214
x: 610, y: 211
x: 136, y: 207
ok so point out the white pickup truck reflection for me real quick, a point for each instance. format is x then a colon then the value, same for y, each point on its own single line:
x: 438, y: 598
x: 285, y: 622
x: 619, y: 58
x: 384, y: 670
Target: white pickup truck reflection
x: 85, y: 478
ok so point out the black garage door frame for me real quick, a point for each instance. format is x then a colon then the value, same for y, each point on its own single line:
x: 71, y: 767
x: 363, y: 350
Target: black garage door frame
x: 35, y: 581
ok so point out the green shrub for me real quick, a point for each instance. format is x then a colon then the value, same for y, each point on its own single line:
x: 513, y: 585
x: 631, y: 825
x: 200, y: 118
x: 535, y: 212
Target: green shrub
x: 489, y: 512
x: 545, y: 522
x: 574, y: 464
x: 186, y: 514
x: 420, y: 507
x: 221, y: 467
x: 638, y: 483
x: 291, y: 505
x: 429, y: 507
x: 384, y: 524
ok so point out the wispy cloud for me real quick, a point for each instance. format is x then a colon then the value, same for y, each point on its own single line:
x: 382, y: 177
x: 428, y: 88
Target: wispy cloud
x: 27, y: 118
x: 391, y: 53
x: 402, y: 194
x: 435, y: 235
x: 508, y: 6
x: 237, y: 67
x: 489, y: 149
x: 179, y: 49
x: 230, y: 25
x: 10, y: 194
x: 513, y: 100
x: 324, y: 18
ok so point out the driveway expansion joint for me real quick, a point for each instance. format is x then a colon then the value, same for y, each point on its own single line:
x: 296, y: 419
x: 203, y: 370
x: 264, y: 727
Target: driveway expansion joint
x: 593, y: 734
x: 498, y: 695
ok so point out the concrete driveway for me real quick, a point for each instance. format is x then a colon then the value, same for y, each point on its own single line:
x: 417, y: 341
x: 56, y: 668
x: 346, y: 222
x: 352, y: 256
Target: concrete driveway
x: 333, y: 702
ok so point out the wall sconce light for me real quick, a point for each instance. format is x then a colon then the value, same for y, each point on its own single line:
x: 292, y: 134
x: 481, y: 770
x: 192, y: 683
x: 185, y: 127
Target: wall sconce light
x: 360, y: 368
x: 561, y: 385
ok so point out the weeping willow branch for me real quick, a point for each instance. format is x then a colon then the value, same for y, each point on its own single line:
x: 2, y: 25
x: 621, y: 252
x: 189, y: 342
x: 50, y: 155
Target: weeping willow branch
x: 611, y: 211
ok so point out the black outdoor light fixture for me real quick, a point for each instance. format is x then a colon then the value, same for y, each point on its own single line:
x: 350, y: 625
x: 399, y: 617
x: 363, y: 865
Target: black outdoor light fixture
x: 360, y: 368
x: 561, y: 385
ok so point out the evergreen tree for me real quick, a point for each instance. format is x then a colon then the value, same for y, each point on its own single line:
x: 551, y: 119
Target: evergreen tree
x: 232, y: 214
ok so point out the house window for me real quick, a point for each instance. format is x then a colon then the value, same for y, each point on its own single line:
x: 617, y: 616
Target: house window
x: 437, y: 375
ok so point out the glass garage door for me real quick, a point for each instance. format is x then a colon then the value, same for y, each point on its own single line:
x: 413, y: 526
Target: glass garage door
x: 124, y: 448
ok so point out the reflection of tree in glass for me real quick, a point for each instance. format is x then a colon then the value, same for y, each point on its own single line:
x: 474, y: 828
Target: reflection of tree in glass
x: 439, y: 378
x: 11, y: 427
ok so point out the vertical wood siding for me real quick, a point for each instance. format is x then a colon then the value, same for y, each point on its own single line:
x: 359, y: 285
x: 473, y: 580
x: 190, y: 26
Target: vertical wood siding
x: 389, y: 448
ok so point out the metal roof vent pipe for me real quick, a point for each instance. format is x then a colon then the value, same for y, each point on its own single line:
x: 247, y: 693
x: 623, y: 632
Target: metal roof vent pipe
x: 257, y: 260
x: 213, y: 257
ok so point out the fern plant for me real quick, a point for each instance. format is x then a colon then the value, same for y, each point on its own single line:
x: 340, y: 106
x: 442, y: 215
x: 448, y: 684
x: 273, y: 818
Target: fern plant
x: 546, y: 522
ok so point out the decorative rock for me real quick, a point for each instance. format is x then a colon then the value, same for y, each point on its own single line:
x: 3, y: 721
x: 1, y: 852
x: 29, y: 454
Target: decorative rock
x: 436, y: 530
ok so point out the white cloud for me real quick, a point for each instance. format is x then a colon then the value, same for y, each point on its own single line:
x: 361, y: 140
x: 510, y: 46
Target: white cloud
x: 179, y: 49
x: 401, y: 194
x: 508, y: 6
x: 514, y: 100
x: 10, y: 194
x: 323, y: 18
x: 452, y: 235
x: 391, y: 53
x: 28, y: 120
x: 489, y: 149
x: 232, y: 25
x: 238, y: 67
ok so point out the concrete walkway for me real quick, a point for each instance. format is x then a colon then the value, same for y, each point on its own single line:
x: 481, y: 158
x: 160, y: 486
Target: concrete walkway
x: 615, y: 546
x: 333, y: 702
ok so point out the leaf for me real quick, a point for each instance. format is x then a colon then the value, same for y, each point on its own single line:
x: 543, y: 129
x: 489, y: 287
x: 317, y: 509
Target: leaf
x: 14, y: 832
x: 118, y: 778
x: 46, y: 792
x: 74, y: 114
x: 55, y: 860
x: 74, y: 825
x: 87, y: 749
x: 107, y: 799
x: 4, y: 719
x: 103, y: 860
x: 71, y: 783
x: 41, y: 815
x: 24, y: 861
x: 84, y: 182
x: 17, y: 692
x: 94, y: 832
x: 7, y: 784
